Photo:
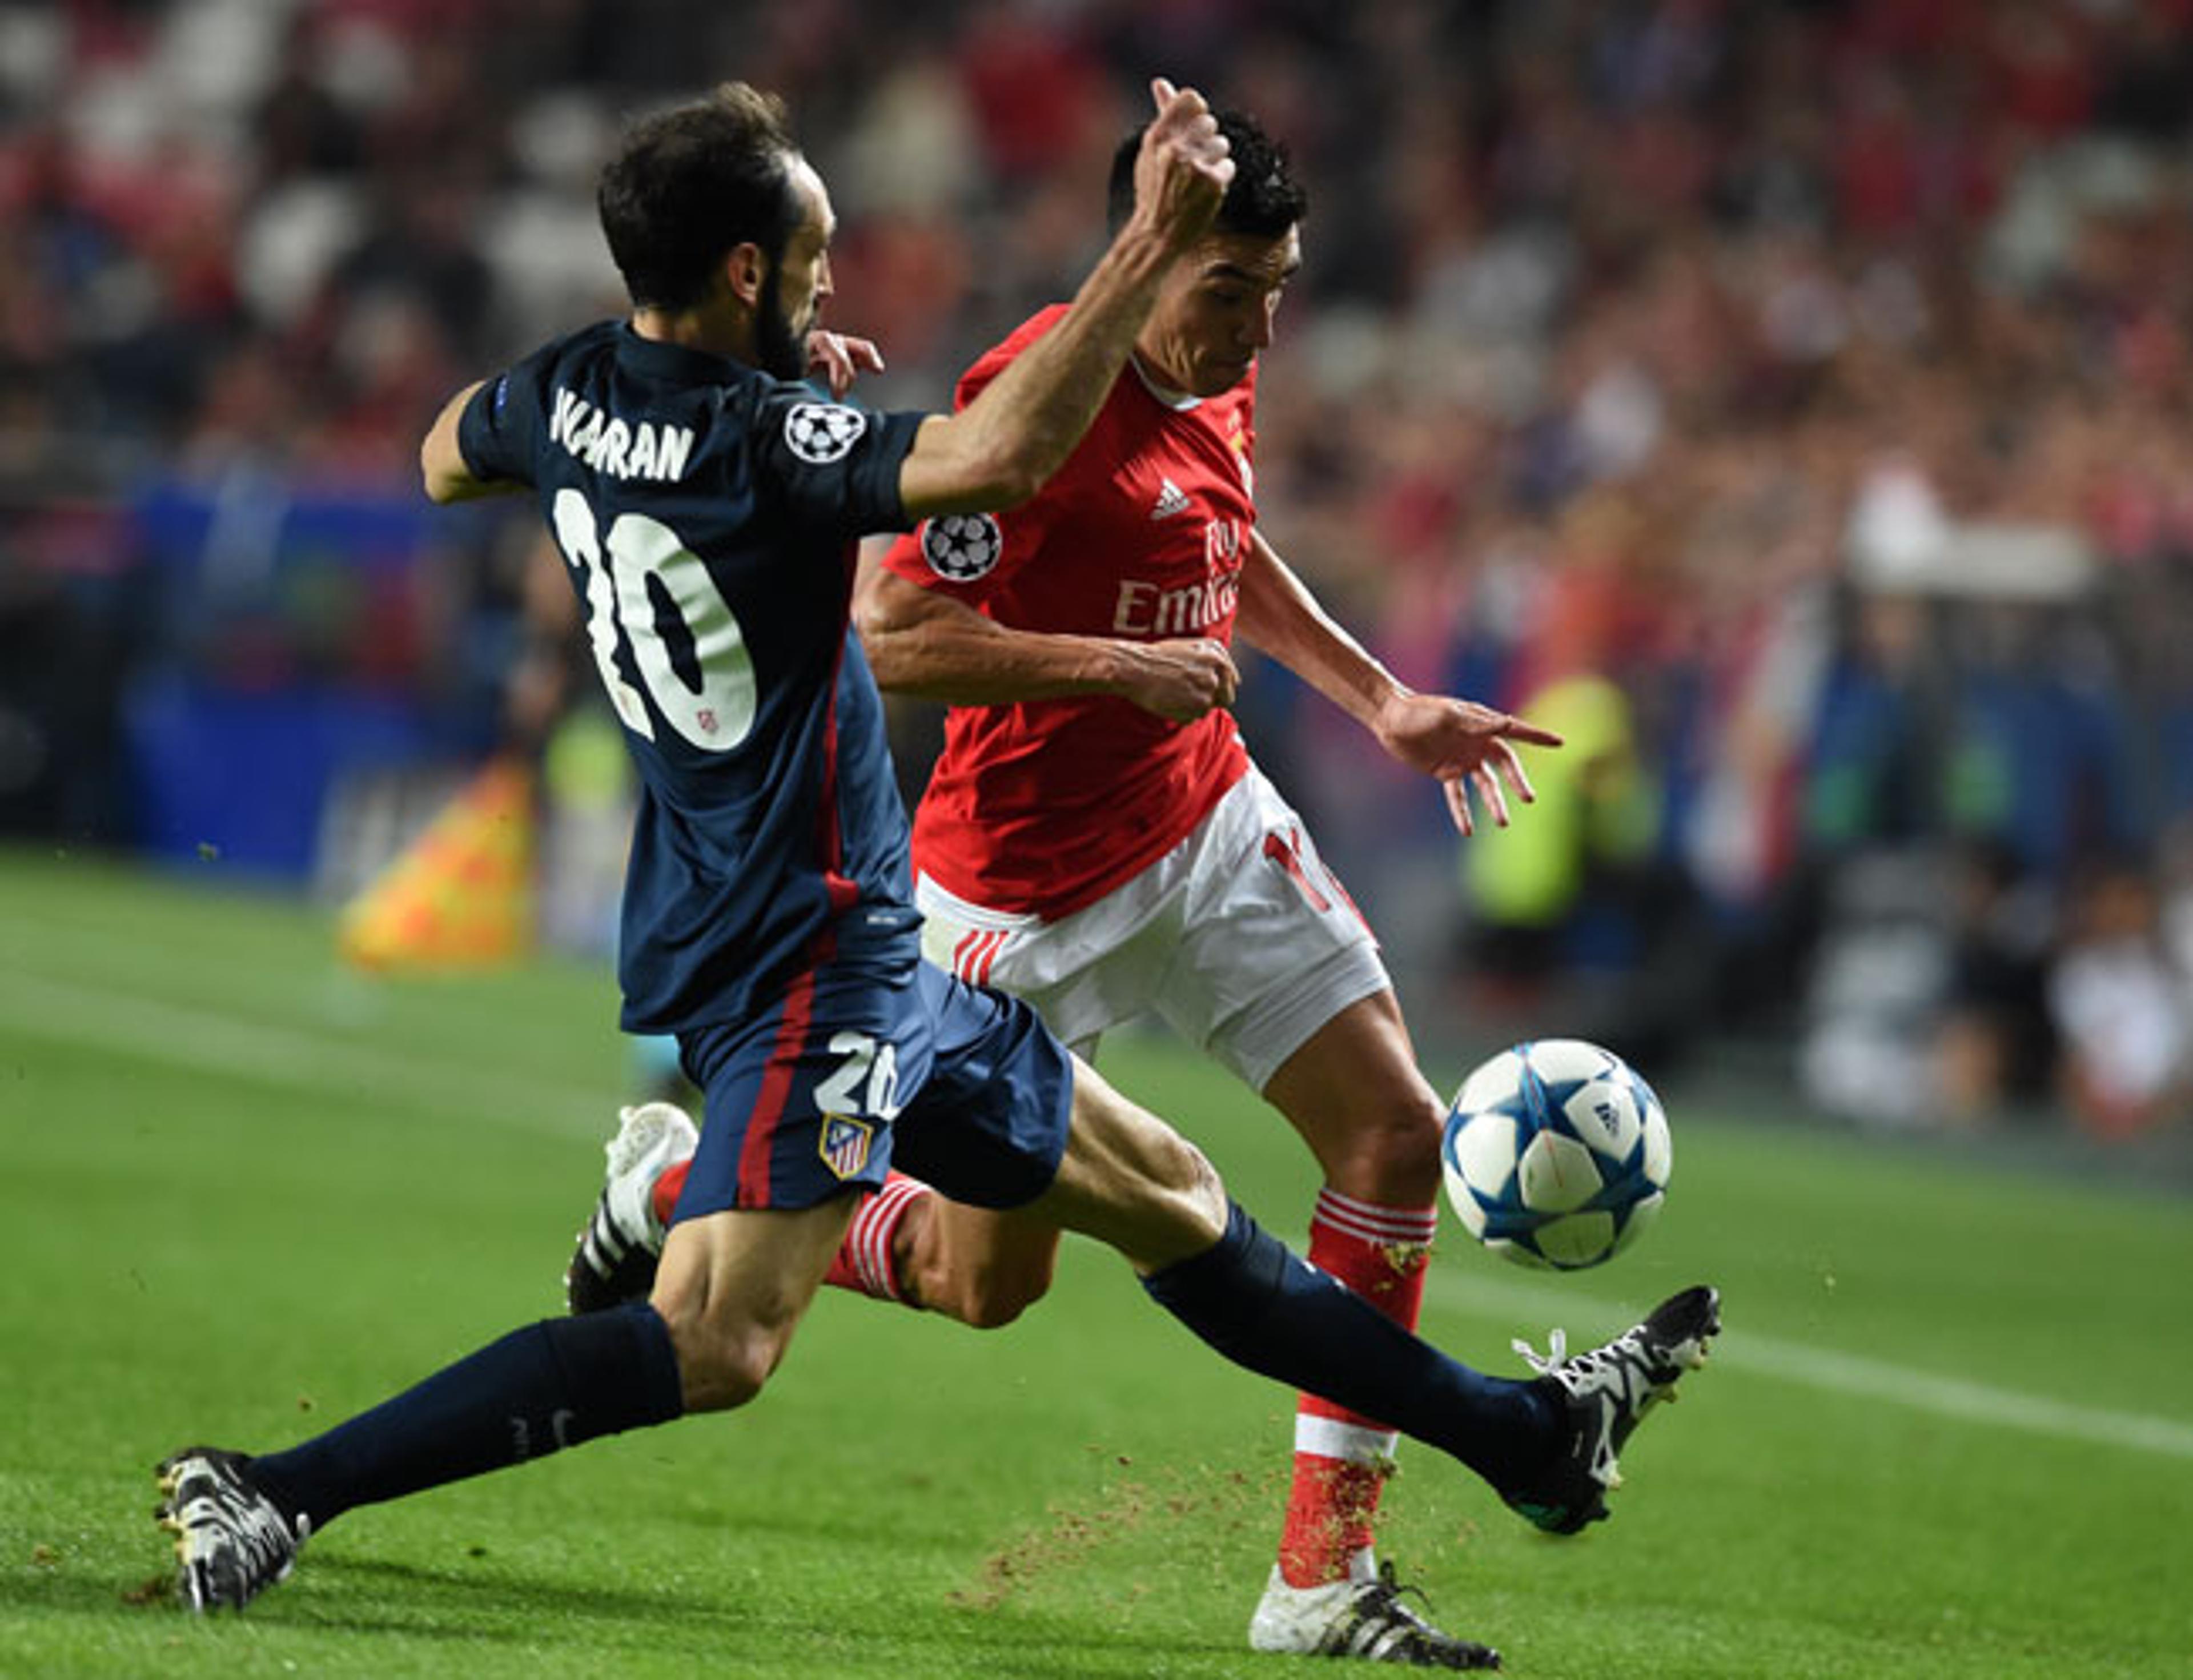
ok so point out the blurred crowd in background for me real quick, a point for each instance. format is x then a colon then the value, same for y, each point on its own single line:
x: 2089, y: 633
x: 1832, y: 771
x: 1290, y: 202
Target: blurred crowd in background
x: 1788, y: 402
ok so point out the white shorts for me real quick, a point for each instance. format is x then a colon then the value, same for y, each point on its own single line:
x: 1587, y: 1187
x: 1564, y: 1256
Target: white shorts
x: 1239, y: 938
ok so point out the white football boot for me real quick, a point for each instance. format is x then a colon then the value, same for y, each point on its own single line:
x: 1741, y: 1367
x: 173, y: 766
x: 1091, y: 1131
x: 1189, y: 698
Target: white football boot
x: 1361, y: 1617
x: 615, y: 1258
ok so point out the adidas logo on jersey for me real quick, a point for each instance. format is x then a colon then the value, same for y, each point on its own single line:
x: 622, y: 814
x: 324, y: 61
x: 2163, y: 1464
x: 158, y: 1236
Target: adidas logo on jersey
x: 1170, y: 500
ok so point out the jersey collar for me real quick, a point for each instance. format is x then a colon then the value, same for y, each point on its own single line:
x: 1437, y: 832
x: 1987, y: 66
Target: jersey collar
x: 677, y: 362
x: 1179, y: 401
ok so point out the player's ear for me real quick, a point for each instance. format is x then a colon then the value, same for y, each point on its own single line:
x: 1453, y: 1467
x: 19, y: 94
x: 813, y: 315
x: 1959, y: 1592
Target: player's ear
x: 746, y: 270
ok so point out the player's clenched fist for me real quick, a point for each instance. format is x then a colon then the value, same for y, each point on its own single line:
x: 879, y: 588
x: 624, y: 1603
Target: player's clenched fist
x: 1180, y: 681
x: 1185, y: 165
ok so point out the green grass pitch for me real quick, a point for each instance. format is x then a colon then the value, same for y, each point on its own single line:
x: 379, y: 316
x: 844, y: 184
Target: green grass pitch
x: 1949, y: 1431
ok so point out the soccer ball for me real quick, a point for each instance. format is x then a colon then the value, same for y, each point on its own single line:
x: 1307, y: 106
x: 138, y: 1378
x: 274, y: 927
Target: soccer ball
x: 1556, y: 1154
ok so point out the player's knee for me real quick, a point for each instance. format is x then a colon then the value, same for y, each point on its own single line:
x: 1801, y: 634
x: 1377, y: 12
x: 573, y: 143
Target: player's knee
x: 1199, y: 1180
x: 1192, y: 1184
x: 1131, y: 1180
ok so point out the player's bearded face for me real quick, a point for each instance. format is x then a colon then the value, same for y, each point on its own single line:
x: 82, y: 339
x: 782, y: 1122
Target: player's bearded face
x: 780, y: 343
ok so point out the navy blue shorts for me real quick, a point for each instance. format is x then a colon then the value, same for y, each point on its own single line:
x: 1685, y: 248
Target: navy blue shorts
x: 853, y: 1072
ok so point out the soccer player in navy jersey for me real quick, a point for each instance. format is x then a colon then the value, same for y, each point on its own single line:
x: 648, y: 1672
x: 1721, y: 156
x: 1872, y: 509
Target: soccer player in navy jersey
x: 1095, y: 839
x: 707, y: 507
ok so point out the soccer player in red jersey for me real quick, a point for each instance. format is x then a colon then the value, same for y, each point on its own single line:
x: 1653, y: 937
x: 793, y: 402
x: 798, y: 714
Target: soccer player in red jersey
x: 1096, y: 839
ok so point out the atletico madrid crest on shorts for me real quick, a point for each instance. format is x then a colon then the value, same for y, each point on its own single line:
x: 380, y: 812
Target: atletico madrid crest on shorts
x: 845, y: 1143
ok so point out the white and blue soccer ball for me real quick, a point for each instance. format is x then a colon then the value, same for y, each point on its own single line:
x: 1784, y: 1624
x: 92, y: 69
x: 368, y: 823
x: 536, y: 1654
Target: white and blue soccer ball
x: 1556, y: 1154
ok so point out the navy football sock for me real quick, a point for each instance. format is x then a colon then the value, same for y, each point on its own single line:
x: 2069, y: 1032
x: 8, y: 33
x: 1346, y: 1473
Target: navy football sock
x: 548, y: 1386
x: 1254, y: 1302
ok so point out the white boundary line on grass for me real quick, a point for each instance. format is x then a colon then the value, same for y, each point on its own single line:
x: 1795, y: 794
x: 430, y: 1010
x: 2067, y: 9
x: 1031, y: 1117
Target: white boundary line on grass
x: 1958, y: 1398
x: 315, y: 1064
x: 1851, y: 1374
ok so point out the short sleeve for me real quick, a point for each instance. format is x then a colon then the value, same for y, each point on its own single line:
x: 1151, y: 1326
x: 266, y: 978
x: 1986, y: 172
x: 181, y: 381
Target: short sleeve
x: 834, y: 466
x: 500, y: 430
x: 966, y: 556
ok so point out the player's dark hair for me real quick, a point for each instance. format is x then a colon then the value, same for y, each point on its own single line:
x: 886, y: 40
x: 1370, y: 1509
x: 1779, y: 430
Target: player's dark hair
x: 1264, y: 200
x: 691, y: 182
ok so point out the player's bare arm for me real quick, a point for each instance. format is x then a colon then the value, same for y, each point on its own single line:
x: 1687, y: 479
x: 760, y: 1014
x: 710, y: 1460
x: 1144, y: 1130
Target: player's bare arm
x: 999, y: 449
x: 1458, y: 743
x: 923, y: 643
x: 442, y: 463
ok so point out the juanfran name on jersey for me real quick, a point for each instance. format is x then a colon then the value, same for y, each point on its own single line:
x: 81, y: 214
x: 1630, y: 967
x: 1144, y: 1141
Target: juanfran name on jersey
x: 1143, y: 609
x: 607, y: 445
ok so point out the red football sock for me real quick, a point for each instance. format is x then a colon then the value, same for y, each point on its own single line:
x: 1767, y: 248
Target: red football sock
x: 864, y: 1262
x: 1342, y: 1457
x: 664, y: 1195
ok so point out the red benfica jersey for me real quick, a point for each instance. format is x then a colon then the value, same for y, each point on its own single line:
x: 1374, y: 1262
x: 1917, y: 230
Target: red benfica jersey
x: 1047, y: 805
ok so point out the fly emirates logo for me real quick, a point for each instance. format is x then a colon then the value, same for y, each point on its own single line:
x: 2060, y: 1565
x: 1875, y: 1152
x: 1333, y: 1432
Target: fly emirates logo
x: 1143, y: 609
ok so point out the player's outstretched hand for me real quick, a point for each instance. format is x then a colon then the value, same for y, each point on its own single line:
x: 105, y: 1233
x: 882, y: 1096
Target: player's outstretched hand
x: 841, y: 359
x: 1179, y: 680
x: 1184, y: 167
x: 1464, y: 745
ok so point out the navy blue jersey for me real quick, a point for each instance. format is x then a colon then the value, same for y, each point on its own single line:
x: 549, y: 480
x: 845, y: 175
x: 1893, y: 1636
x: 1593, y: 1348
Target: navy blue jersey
x: 708, y: 515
